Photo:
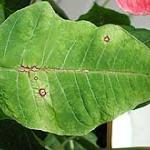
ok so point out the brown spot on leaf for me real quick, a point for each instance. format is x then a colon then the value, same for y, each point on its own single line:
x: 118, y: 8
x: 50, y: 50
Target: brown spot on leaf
x: 34, y: 69
x: 107, y: 38
x: 28, y: 69
x: 42, y: 92
x: 24, y: 69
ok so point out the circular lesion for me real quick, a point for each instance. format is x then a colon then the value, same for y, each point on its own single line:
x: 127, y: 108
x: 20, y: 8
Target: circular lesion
x: 36, y: 78
x: 42, y: 92
x: 107, y: 38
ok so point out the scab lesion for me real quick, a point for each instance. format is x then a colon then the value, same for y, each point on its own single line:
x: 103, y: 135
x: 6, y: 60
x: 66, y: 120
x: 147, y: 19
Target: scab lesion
x: 28, y: 69
x: 42, y: 92
x: 107, y: 38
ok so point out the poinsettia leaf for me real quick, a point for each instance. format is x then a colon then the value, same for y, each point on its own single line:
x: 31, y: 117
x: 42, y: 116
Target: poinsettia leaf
x: 88, y: 141
x: 100, y: 16
x: 141, y: 34
x: 57, y: 9
x: 2, y: 18
x: 54, y: 142
x: 144, y: 36
x: 78, y: 143
x: 2, y: 115
x: 14, y: 5
x: 68, y: 77
x: 2, y: 15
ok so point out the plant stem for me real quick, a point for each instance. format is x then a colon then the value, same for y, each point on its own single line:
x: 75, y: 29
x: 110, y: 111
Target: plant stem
x: 60, y: 147
x: 109, y: 136
x: 71, y: 145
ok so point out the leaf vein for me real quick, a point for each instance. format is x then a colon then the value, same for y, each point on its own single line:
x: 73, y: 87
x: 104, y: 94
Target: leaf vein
x: 77, y: 84
x: 74, y: 114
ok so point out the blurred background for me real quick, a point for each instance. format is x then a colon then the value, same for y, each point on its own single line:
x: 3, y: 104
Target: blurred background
x: 74, y: 8
x: 132, y: 128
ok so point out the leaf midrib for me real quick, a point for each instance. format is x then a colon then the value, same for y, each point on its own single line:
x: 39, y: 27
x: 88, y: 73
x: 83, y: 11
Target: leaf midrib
x: 82, y: 71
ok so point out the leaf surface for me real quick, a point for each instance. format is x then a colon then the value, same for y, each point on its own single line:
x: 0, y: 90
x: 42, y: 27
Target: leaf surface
x: 57, y: 9
x: 68, y: 77
x: 141, y: 34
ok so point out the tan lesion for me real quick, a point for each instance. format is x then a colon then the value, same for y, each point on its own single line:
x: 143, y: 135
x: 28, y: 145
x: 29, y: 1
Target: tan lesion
x: 28, y: 69
x: 42, y: 92
x: 107, y: 38
x: 37, y: 69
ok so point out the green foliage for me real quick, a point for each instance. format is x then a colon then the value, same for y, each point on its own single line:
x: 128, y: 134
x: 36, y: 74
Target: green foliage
x: 100, y: 16
x: 57, y: 9
x: 2, y: 15
x: 15, y: 137
x: 13, y: 5
x: 144, y: 36
x: 55, y: 142
x: 68, y: 77
x: 141, y: 34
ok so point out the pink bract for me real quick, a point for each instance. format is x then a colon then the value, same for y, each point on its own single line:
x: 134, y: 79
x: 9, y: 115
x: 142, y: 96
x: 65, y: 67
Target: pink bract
x: 136, y: 7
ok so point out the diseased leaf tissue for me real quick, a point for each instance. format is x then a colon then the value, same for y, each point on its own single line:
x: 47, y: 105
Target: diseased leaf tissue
x: 68, y: 77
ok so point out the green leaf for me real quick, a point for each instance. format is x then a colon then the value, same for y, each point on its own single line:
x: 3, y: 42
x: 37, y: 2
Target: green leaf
x: 78, y: 143
x: 2, y: 15
x: 57, y: 9
x: 100, y: 16
x: 144, y: 36
x: 2, y: 115
x: 88, y: 141
x: 55, y: 142
x: 16, y: 137
x: 68, y: 77
x: 141, y: 34
x: 14, y: 5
